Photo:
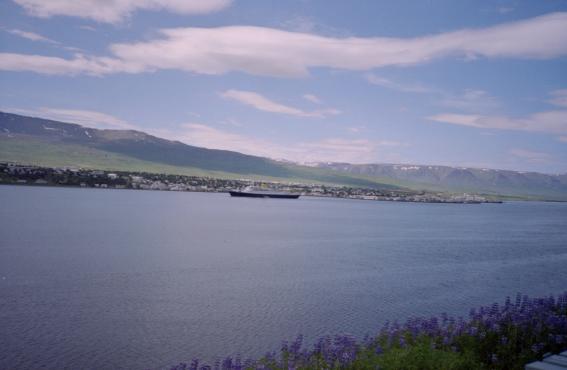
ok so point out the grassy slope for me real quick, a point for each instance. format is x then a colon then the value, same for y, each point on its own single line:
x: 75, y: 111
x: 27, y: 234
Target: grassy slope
x: 45, y: 153
x: 40, y: 153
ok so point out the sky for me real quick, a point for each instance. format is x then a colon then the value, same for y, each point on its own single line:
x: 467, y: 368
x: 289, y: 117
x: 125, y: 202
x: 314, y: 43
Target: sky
x: 439, y: 82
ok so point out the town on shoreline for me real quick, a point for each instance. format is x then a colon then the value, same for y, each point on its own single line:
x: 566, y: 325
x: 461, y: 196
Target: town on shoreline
x: 20, y: 174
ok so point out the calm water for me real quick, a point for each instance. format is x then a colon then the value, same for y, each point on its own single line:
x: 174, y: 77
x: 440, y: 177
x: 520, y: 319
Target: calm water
x: 112, y: 279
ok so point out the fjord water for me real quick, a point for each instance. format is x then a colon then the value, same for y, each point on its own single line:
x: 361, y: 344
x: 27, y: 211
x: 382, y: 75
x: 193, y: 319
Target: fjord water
x: 119, y: 279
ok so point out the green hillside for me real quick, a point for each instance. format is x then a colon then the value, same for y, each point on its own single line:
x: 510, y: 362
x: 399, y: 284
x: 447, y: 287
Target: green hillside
x: 37, y: 141
x: 28, y: 149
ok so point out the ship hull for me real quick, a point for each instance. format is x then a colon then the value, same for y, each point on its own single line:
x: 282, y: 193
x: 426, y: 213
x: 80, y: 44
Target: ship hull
x: 263, y: 195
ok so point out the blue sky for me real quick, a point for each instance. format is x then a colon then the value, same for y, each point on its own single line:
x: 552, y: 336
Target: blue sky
x: 462, y: 83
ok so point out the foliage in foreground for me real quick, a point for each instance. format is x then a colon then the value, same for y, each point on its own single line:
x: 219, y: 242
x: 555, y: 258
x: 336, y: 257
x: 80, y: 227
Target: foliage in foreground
x: 493, y: 337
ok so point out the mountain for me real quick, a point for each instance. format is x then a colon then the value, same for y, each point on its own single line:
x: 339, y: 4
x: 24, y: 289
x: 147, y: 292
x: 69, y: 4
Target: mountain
x: 456, y: 179
x: 46, y: 142
x: 38, y: 141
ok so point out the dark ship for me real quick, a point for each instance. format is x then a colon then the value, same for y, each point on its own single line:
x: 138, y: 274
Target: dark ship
x: 249, y: 193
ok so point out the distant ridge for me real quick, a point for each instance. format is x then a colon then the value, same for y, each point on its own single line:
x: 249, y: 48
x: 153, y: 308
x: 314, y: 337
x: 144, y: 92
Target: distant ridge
x: 137, y: 144
x: 31, y: 140
x: 482, y: 180
x: 51, y: 143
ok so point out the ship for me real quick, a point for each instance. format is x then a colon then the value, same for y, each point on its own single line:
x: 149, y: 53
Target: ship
x: 249, y: 193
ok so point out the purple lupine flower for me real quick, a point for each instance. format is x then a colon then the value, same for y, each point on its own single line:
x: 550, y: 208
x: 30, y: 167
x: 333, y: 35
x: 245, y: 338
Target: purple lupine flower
x: 248, y: 363
x: 237, y: 363
x: 227, y: 363
x: 296, y: 346
x: 542, y: 321
x: 181, y: 366
x: 194, y: 364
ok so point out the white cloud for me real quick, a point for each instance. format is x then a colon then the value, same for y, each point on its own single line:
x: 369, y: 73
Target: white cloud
x: 471, y: 100
x: 531, y: 156
x: 231, y: 122
x: 389, y: 84
x: 31, y: 36
x: 307, y: 24
x: 86, y: 118
x: 51, y: 65
x: 551, y: 122
x: 272, y: 52
x: 467, y: 100
x: 504, y: 10
x: 201, y: 135
x: 338, y: 150
x: 392, y: 143
x: 114, y: 11
x: 80, y: 64
x: 559, y: 97
x: 312, y: 98
x: 459, y: 119
x: 267, y: 51
x: 324, y: 150
x: 264, y: 104
x: 87, y: 28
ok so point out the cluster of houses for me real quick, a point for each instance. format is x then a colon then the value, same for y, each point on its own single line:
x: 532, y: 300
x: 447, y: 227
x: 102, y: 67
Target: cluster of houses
x: 13, y: 173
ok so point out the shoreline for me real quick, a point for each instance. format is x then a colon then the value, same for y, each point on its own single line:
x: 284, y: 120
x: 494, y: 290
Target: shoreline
x: 28, y: 175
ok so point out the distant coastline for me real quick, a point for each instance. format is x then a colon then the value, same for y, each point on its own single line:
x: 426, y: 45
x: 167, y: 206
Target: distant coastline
x: 53, y: 144
x: 31, y: 175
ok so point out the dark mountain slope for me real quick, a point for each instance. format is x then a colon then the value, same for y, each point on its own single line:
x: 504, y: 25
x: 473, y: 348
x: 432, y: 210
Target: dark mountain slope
x: 35, y: 140
x: 140, y: 145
